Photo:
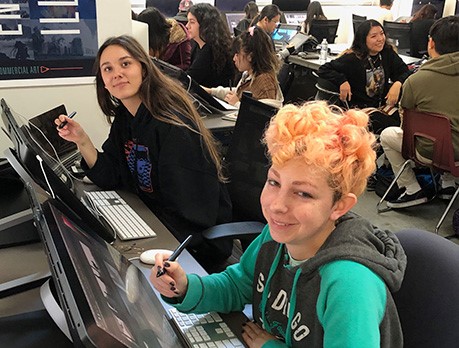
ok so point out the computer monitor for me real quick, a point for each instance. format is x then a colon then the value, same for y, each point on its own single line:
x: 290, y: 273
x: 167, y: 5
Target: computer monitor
x: 106, y: 300
x: 284, y: 33
x: 439, y: 4
x: 168, y: 8
x: 233, y: 18
x: 231, y: 5
x: 205, y: 103
x: 292, y: 5
x: 32, y: 162
x: 296, y: 18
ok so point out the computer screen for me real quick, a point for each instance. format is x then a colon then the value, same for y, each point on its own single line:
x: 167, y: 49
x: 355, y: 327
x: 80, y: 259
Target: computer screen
x: 233, y: 18
x: 292, y: 5
x: 231, y: 5
x: 32, y: 162
x: 284, y: 33
x: 106, y: 299
x: 295, y: 17
x: 198, y: 94
x: 168, y: 8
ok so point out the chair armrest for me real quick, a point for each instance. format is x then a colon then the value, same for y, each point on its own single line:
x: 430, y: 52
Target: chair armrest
x: 234, y: 230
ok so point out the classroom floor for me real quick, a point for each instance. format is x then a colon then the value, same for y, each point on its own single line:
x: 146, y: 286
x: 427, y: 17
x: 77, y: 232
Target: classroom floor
x: 424, y: 216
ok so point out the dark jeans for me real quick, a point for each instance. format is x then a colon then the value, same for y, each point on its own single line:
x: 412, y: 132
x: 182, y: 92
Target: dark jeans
x: 379, y: 121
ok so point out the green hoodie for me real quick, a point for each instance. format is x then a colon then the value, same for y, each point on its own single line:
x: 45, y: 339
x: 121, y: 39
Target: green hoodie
x: 338, y: 298
x: 435, y: 88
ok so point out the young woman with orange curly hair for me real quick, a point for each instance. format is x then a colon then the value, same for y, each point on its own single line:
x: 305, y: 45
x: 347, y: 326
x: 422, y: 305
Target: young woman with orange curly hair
x: 318, y: 275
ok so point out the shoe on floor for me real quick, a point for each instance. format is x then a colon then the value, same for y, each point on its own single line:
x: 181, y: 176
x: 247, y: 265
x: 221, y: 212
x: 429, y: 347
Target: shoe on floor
x: 371, y: 183
x: 446, y: 192
x: 406, y: 200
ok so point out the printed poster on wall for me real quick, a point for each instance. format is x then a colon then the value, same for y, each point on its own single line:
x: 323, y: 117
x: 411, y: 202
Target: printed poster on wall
x: 47, y: 39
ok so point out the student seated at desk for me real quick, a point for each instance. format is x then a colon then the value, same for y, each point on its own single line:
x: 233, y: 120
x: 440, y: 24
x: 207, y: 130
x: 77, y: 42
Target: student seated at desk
x: 268, y: 20
x: 369, y: 74
x: 211, y: 63
x: 255, y: 57
x: 318, y: 275
x: 158, y: 147
x: 251, y: 11
x: 168, y: 39
x: 314, y: 12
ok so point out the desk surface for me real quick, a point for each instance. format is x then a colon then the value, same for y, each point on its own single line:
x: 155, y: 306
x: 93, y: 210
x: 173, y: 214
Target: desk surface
x: 23, y: 260
x: 314, y: 64
x: 215, y: 123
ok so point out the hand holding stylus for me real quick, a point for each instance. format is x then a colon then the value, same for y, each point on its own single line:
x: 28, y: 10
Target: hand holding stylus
x: 168, y: 277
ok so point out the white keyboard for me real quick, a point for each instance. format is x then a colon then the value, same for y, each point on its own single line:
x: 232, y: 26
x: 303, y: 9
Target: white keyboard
x: 205, y: 330
x: 121, y: 217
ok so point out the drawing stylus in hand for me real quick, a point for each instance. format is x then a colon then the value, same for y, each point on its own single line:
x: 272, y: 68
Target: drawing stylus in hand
x: 62, y: 125
x: 175, y: 254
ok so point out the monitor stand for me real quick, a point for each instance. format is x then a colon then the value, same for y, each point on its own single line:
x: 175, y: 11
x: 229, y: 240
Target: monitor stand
x: 16, y: 223
x: 53, y: 308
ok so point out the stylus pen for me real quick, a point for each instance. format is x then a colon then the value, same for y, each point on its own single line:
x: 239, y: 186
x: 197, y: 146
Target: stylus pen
x: 175, y: 254
x: 62, y: 125
x: 231, y: 85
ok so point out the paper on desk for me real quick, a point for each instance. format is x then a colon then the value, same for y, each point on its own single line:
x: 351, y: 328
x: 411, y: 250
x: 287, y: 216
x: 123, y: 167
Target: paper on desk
x: 227, y: 106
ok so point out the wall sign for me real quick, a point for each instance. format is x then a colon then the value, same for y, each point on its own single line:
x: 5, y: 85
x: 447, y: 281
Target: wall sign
x: 47, y: 39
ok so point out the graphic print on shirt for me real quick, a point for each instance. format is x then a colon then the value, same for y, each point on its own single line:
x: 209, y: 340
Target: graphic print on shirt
x: 279, y: 305
x: 375, y: 82
x: 138, y: 160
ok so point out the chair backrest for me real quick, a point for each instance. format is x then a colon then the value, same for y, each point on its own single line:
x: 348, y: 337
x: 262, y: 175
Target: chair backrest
x: 400, y: 34
x: 329, y: 92
x: 428, y: 300
x: 357, y: 20
x: 435, y: 128
x: 285, y: 77
x: 246, y: 159
x: 327, y: 29
x: 420, y: 37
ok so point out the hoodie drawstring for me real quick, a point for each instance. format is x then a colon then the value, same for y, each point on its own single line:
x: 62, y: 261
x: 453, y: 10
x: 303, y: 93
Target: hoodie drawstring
x: 264, y: 298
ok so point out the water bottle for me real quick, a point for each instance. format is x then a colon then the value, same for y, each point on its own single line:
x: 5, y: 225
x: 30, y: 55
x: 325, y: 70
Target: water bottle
x: 323, y: 51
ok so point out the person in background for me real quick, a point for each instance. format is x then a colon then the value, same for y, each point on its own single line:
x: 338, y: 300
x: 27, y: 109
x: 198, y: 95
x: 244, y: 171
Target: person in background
x: 211, y: 63
x: 255, y: 58
x: 427, y: 11
x: 433, y: 88
x: 318, y: 275
x: 383, y: 12
x: 183, y: 8
x: 369, y: 74
x: 421, y: 22
x: 268, y: 20
x: 251, y: 11
x: 158, y: 147
x: 314, y: 12
x: 168, y: 39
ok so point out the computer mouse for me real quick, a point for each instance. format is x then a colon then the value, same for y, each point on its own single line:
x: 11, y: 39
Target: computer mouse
x: 302, y: 54
x: 148, y: 256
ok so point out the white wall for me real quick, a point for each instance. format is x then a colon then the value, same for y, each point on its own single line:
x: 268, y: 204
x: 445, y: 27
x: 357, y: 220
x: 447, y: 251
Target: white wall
x: 33, y: 98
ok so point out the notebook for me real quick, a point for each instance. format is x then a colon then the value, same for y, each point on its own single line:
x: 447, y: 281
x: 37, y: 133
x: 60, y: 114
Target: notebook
x: 106, y: 299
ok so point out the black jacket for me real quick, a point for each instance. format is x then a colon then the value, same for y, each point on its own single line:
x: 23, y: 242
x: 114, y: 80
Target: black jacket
x: 167, y: 167
x: 349, y: 67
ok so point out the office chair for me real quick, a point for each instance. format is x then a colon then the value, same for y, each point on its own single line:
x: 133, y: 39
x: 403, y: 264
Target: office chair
x: 357, y: 20
x: 247, y: 166
x: 285, y: 77
x: 437, y: 129
x: 329, y: 92
x: 428, y: 300
x: 327, y: 29
x: 419, y: 37
x: 399, y: 34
